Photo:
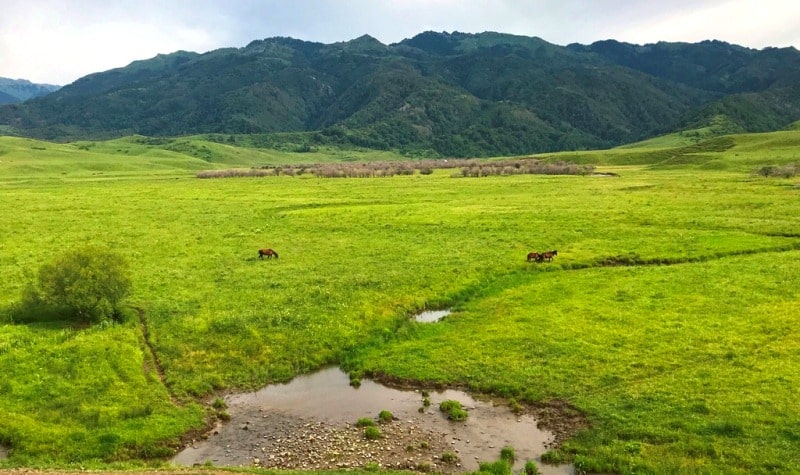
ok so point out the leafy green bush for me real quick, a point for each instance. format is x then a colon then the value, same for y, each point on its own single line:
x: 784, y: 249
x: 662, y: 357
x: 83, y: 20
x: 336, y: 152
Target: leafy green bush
x: 85, y: 285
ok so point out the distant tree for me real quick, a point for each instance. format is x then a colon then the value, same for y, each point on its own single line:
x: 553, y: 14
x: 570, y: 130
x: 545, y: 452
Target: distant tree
x: 85, y: 285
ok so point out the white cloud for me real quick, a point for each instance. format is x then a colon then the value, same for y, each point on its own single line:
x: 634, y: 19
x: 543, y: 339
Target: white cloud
x: 57, y: 41
x: 745, y: 22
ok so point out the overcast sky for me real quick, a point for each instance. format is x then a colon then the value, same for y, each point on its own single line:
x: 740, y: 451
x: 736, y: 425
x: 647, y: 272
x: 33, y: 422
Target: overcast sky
x: 58, y: 41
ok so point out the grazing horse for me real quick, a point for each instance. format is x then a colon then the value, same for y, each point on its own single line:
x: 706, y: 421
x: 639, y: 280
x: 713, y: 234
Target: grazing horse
x: 534, y: 256
x: 548, y: 256
x: 267, y: 252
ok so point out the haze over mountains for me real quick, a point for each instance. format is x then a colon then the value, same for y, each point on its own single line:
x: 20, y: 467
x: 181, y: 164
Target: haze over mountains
x: 20, y: 90
x: 436, y: 94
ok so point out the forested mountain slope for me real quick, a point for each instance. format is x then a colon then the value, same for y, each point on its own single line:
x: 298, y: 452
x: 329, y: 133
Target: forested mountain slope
x: 436, y: 94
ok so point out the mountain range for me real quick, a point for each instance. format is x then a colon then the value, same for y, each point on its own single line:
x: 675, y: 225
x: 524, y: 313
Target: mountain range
x: 20, y: 90
x: 436, y: 94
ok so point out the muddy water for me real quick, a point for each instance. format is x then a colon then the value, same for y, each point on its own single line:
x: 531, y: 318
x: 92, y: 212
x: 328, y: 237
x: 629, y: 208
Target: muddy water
x: 431, y: 316
x: 326, y: 397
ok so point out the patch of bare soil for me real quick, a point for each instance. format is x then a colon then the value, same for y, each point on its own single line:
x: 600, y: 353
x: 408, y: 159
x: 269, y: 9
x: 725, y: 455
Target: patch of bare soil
x: 284, y: 441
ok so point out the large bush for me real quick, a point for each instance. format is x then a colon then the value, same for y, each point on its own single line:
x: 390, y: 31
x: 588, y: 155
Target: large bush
x: 85, y: 285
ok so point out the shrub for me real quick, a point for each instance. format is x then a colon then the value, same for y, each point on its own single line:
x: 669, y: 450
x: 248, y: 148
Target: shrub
x: 365, y: 422
x: 507, y: 454
x: 457, y: 414
x: 86, y: 285
x: 515, y: 406
x: 554, y: 457
x: 223, y: 415
x: 448, y: 404
x: 454, y: 410
x: 531, y: 468
x: 501, y: 467
x: 385, y: 416
x: 449, y: 457
x: 372, y: 433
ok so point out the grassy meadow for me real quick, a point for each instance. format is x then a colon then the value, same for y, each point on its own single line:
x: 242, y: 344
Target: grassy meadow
x: 669, y: 318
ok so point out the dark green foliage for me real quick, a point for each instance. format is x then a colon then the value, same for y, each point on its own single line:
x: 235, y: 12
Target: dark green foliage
x: 85, y: 285
x: 436, y: 95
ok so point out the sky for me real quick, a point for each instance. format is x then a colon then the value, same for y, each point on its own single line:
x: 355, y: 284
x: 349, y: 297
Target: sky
x: 59, y: 41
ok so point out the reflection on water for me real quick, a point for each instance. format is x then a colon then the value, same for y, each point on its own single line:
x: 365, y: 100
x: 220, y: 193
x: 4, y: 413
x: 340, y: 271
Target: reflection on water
x: 327, y: 396
x: 431, y: 316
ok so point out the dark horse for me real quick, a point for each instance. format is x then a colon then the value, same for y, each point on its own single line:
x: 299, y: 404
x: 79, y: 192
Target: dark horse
x: 548, y: 256
x: 534, y: 256
x: 267, y: 252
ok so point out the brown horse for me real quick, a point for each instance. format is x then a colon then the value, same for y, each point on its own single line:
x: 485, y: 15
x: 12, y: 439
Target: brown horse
x: 534, y: 256
x: 267, y: 252
x: 548, y: 256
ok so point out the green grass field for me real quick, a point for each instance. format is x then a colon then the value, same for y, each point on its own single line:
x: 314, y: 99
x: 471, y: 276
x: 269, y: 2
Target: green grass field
x: 684, y: 356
